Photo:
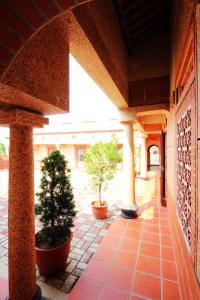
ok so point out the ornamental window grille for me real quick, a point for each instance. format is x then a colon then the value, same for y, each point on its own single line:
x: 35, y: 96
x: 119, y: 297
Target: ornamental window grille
x: 184, y: 173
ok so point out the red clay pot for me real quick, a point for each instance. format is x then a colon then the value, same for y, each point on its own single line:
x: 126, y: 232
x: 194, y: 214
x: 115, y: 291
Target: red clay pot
x: 51, y: 261
x: 99, y: 212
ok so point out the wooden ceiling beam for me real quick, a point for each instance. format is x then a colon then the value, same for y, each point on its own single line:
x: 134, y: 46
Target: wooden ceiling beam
x: 155, y: 25
x: 137, y: 42
x: 141, y: 22
x: 142, y: 12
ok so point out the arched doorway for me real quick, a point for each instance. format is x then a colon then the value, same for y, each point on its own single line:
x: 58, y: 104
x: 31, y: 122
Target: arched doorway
x: 153, y: 156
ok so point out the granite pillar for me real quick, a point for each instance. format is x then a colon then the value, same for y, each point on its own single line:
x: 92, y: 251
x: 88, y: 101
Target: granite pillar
x: 143, y: 157
x: 129, y: 206
x: 21, y: 228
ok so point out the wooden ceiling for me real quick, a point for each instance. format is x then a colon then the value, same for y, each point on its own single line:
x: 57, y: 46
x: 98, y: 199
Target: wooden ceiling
x: 141, y: 20
x: 20, y: 19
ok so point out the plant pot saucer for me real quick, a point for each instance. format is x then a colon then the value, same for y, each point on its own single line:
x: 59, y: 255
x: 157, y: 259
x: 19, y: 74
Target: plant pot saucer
x: 129, y: 211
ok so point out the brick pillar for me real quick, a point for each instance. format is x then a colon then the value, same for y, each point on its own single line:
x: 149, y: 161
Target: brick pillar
x: 21, y: 225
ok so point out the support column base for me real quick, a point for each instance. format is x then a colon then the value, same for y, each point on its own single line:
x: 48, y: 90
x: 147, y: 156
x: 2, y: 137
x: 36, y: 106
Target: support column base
x: 38, y: 294
x: 129, y: 212
x: 163, y: 202
x: 142, y: 177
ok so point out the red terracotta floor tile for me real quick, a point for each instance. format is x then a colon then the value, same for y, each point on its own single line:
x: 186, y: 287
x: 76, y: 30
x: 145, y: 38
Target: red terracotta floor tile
x: 169, y: 270
x: 149, y: 249
x: 165, y: 230
x: 125, y: 259
x: 129, y: 245
x: 110, y: 240
x: 134, y: 297
x: 97, y: 270
x: 110, y: 293
x: 152, y: 221
x: 116, y: 230
x: 120, y: 222
x: 164, y: 222
x: 168, y: 253
x: 132, y: 224
x: 120, y: 278
x: 151, y: 228
x: 132, y: 234
x: 150, y: 237
x: 166, y: 240
x: 85, y: 289
x: 170, y: 290
x: 164, y: 213
x: 105, y: 253
x: 148, y: 265
x: 147, y: 286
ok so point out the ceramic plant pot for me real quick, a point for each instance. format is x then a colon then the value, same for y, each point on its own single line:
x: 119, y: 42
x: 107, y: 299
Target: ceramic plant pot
x: 99, y: 212
x: 51, y: 261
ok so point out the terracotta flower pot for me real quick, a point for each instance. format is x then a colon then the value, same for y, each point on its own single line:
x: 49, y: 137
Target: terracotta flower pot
x: 51, y: 261
x: 99, y: 212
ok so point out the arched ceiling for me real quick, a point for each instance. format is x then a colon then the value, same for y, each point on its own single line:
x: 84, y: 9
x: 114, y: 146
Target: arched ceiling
x: 21, y: 19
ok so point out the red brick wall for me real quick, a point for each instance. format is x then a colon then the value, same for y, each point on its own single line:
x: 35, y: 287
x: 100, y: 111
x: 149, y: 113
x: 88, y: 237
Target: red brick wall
x: 188, y: 282
x: 153, y: 139
x: 184, y: 85
x: 190, y: 100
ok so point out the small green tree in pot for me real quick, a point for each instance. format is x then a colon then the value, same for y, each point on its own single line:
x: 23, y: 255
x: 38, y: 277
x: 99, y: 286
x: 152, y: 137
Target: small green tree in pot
x: 101, y: 162
x: 56, y: 209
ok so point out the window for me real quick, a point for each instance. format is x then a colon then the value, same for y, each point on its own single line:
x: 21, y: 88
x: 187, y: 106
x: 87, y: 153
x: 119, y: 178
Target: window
x: 80, y: 152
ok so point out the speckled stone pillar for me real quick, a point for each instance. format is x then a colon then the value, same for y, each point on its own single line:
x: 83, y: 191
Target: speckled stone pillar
x: 128, y: 206
x: 21, y: 228
x: 128, y: 164
x: 143, y: 157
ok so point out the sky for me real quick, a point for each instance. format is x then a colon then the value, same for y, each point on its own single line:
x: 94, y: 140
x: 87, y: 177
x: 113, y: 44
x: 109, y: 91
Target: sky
x: 87, y: 100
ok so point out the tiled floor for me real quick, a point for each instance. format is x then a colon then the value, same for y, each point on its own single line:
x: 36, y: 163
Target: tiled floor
x: 86, y: 237
x: 88, y: 233
x: 135, y: 259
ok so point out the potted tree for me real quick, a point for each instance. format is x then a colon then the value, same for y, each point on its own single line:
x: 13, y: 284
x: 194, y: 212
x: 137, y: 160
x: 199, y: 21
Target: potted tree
x: 56, y: 209
x: 101, y: 162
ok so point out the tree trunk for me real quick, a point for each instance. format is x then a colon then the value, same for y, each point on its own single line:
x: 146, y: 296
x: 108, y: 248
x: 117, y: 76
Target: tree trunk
x: 100, y: 186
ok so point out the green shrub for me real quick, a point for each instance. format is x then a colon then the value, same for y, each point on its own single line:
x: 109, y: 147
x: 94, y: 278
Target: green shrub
x: 101, y: 162
x: 56, y: 206
x: 2, y: 149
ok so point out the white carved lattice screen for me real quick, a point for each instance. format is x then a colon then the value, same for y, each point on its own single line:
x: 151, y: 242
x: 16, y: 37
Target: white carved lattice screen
x: 184, y: 173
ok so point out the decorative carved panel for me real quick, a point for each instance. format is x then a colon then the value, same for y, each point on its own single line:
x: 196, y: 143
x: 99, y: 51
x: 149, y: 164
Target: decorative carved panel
x: 186, y: 69
x: 184, y: 173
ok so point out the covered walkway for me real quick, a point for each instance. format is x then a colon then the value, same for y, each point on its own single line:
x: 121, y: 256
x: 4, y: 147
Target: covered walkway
x: 136, y: 259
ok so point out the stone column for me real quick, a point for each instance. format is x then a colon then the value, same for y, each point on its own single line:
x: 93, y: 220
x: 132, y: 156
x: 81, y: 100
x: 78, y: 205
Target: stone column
x: 21, y: 225
x: 143, y: 157
x: 162, y: 168
x: 129, y: 206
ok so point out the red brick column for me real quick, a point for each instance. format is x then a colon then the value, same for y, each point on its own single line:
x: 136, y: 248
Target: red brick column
x: 21, y: 228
